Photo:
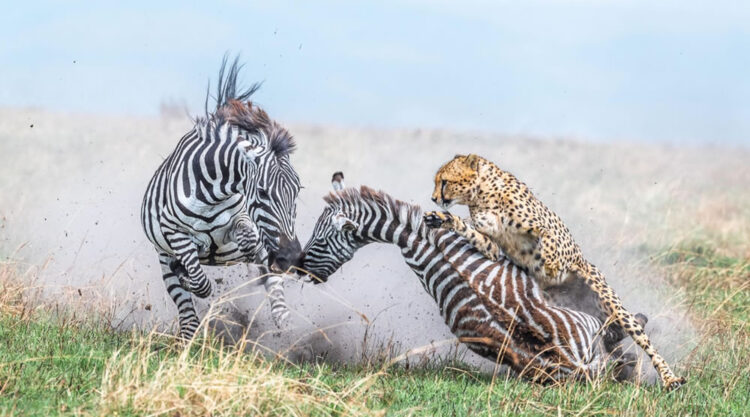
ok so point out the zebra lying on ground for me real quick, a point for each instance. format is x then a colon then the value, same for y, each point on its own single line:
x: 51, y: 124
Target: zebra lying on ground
x: 226, y: 194
x: 492, y: 307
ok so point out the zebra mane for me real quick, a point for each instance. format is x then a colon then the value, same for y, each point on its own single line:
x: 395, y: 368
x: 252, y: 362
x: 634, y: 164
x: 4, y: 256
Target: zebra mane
x: 255, y: 120
x: 233, y: 106
x: 351, y: 197
x: 227, y: 89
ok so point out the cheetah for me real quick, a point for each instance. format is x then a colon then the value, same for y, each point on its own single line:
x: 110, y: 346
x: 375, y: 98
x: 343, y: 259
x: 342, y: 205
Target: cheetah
x: 506, y: 218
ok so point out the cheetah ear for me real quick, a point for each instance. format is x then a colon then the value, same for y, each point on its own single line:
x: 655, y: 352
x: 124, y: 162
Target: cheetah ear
x: 343, y: 223
x: 472, y: 161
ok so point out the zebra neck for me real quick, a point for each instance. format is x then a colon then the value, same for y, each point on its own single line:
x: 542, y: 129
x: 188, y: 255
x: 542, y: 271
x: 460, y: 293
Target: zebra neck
x: 377, y: 224
x: 422, y: 252
x: 240, y: 172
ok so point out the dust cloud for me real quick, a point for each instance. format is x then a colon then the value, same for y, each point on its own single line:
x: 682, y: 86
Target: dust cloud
x: 72, y: 186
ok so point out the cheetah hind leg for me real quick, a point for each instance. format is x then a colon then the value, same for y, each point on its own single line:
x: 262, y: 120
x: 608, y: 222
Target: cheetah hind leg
x: 611, y: 305
x: 625, y: 363
x: 613, y: 333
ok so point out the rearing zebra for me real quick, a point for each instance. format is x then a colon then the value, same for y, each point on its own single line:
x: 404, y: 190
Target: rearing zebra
x: 227, y: 193
x: 493, y: 307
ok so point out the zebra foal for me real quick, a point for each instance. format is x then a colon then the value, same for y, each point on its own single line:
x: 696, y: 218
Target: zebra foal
x: 226, y: 194
x: 492, y: 307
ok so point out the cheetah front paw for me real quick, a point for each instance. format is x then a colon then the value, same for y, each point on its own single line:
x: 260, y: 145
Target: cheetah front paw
x: 438, y: 219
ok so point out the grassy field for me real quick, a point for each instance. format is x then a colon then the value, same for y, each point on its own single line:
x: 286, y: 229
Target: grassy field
x: 639, y: 210
x: 54, y: 363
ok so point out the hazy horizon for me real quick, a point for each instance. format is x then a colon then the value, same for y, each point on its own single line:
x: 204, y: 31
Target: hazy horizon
x: 670, y: 72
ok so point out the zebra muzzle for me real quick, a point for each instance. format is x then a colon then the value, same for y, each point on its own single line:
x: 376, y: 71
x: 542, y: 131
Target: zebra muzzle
x: 289, y: 255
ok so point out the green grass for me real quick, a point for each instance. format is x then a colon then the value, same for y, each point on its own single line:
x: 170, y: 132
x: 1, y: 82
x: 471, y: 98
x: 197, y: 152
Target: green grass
x: 717, y: 283
x: 50, y: 366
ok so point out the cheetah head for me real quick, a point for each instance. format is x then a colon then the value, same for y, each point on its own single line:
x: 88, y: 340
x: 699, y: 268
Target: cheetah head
x: 455, y: 182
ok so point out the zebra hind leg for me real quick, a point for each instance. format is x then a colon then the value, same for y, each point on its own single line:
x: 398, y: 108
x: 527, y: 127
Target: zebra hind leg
x: 185, y: 308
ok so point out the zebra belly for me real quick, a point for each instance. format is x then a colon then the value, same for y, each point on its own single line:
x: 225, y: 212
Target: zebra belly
x: 477, y: 323
x: 467, y: 317
x: 472, y: 323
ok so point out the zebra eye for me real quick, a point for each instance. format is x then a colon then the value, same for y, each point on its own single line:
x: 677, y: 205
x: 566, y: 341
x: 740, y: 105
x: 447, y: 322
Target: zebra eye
x: 249, y: 146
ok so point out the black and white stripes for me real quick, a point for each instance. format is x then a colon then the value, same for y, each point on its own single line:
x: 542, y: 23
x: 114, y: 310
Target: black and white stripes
x: 493, y: 307
x: 227, y: 193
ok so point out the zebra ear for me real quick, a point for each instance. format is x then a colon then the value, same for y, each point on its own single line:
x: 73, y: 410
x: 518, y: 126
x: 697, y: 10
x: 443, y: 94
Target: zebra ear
x: 337, y: 181
x: 343, y: 223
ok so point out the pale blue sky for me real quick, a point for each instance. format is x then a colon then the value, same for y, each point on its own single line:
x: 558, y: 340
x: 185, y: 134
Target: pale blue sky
x: 672, y: 71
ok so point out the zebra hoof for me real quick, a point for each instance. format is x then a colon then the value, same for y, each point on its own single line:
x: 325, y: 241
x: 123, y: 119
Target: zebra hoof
x: 203, y: 289
x: 281, y: 320
x: 184, y: 283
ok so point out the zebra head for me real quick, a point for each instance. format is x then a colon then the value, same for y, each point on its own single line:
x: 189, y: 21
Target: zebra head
x: 271, y: 184
x: 334, y: 239
x: 273, y: 204
x: 332, y: 244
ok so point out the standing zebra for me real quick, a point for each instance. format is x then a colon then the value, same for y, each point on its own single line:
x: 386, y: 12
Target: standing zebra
x: 493, y: 307
x: 227, y: 193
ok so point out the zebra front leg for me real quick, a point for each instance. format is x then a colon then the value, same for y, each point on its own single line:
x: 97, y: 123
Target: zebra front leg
x: 245, y: 234
x: 274, y: 285
x: 185, y: 250
x: 185, y: 309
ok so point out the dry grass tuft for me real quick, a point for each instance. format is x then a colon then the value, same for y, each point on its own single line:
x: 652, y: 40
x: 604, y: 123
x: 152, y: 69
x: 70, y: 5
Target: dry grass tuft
x: 209, y: 378
x: 13, y: 292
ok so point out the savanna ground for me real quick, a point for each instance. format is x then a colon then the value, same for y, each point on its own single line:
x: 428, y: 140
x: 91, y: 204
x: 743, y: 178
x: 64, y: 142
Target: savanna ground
x: 56, y: 363
x: 59, y: 358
